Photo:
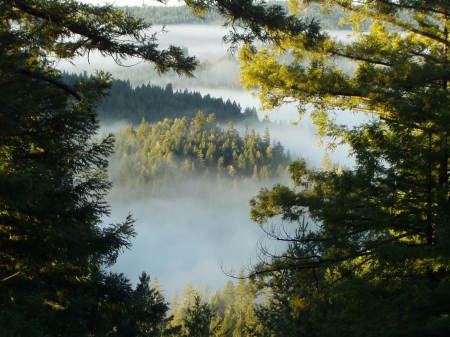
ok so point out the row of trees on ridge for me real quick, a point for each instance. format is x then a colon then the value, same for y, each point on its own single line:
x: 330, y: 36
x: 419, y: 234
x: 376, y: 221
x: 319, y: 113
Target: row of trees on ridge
x: 154, y: 103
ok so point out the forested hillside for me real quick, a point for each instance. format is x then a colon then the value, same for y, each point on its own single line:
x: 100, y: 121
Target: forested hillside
x: 181, y: 148
x: 154, y: 103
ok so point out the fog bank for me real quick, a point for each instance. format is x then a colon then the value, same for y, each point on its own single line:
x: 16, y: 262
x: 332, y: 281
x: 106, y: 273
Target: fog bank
x: 192, y: 234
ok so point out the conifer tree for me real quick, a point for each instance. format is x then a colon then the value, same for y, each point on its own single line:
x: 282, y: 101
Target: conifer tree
x: 198, y: 319
x: 174, y: 149
x: 378, y: 234
x: 54, y: 244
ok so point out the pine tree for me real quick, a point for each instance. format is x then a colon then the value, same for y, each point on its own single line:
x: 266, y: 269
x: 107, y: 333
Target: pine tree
x: 378, y: 235
x: 149, y: 309
x: 198, y: 319
x: 52, y: 172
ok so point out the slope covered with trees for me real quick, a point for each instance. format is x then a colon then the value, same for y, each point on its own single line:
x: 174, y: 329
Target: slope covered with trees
x: 227, y: 312
x: 179, y: 149
x: 153, y: 103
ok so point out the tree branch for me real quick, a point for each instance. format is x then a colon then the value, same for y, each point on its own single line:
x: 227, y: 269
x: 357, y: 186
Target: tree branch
x: 360, y: 58
x: 51, y: 80
x: 392, y: 22
x: 419, y: 8
x: 10, y: 276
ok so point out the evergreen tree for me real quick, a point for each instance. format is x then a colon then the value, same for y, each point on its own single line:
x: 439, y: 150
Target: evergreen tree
x: 153, y: 103
x: 174, y: 150
x: 54, y: 244
x: 229, y: 312
x: 198, y: 319
x: 377, y: 240
x: 150, y: 309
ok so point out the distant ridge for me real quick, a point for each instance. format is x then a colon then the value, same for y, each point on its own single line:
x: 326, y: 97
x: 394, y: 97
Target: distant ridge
x: 154, y: 103
x: 161, y: 15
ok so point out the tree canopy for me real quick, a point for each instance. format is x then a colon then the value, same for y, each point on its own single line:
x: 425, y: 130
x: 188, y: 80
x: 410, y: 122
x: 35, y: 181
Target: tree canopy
x: 373, y: 238
x: 182, y: 148
x: 54, y: 241
x: 368, y: 252
x: 153, y: 103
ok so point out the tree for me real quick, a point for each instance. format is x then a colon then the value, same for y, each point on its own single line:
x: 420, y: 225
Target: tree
x: 53, y: 185
x: 150, y: 309
x: 52, y: 172
x: 154, y: 103
x: 200, y: 144
x: 198, y: 319
x: 229, y: 312
x: 378, y: 234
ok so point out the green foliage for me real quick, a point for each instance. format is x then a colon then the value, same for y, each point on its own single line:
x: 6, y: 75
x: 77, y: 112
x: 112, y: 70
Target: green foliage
x: 119, y: 310
x: 228, y: 312
x: 254, y: 20
x: 374, y: 258
x: 197, y: 319
x: 377, y: 239
x: 68, y: 28
x: 54, y: 244
x: 52, y: 201
x: 154, y: 103
x: 177, y: 149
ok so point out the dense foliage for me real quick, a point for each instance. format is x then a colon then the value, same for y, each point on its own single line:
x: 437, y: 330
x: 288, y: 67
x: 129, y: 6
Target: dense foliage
x: 176, y: 149
x: 53, y: 185
x: 54, y: 244
x: 369, y: 248
x: 227, y: 312
x: 153, y: 103
x: 369, y: 251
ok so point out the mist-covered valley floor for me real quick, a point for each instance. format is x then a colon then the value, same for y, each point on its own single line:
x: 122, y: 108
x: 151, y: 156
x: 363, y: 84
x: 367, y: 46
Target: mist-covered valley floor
x: 199, y: 231
x: 193, y: 234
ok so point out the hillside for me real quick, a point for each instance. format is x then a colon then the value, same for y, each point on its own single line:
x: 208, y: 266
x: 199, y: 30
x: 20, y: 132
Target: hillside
x: 185, y: 147
x: 154, y: 103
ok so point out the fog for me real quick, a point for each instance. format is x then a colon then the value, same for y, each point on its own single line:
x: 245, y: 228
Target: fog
x: 218, y: 65
x: 198, y: 228
x: 203, y: 41
x: 194, y: 233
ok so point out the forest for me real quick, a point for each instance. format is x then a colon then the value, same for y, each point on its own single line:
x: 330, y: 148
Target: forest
x: 175, y: 149
x: 362, y: 251
x: 153, y: 103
